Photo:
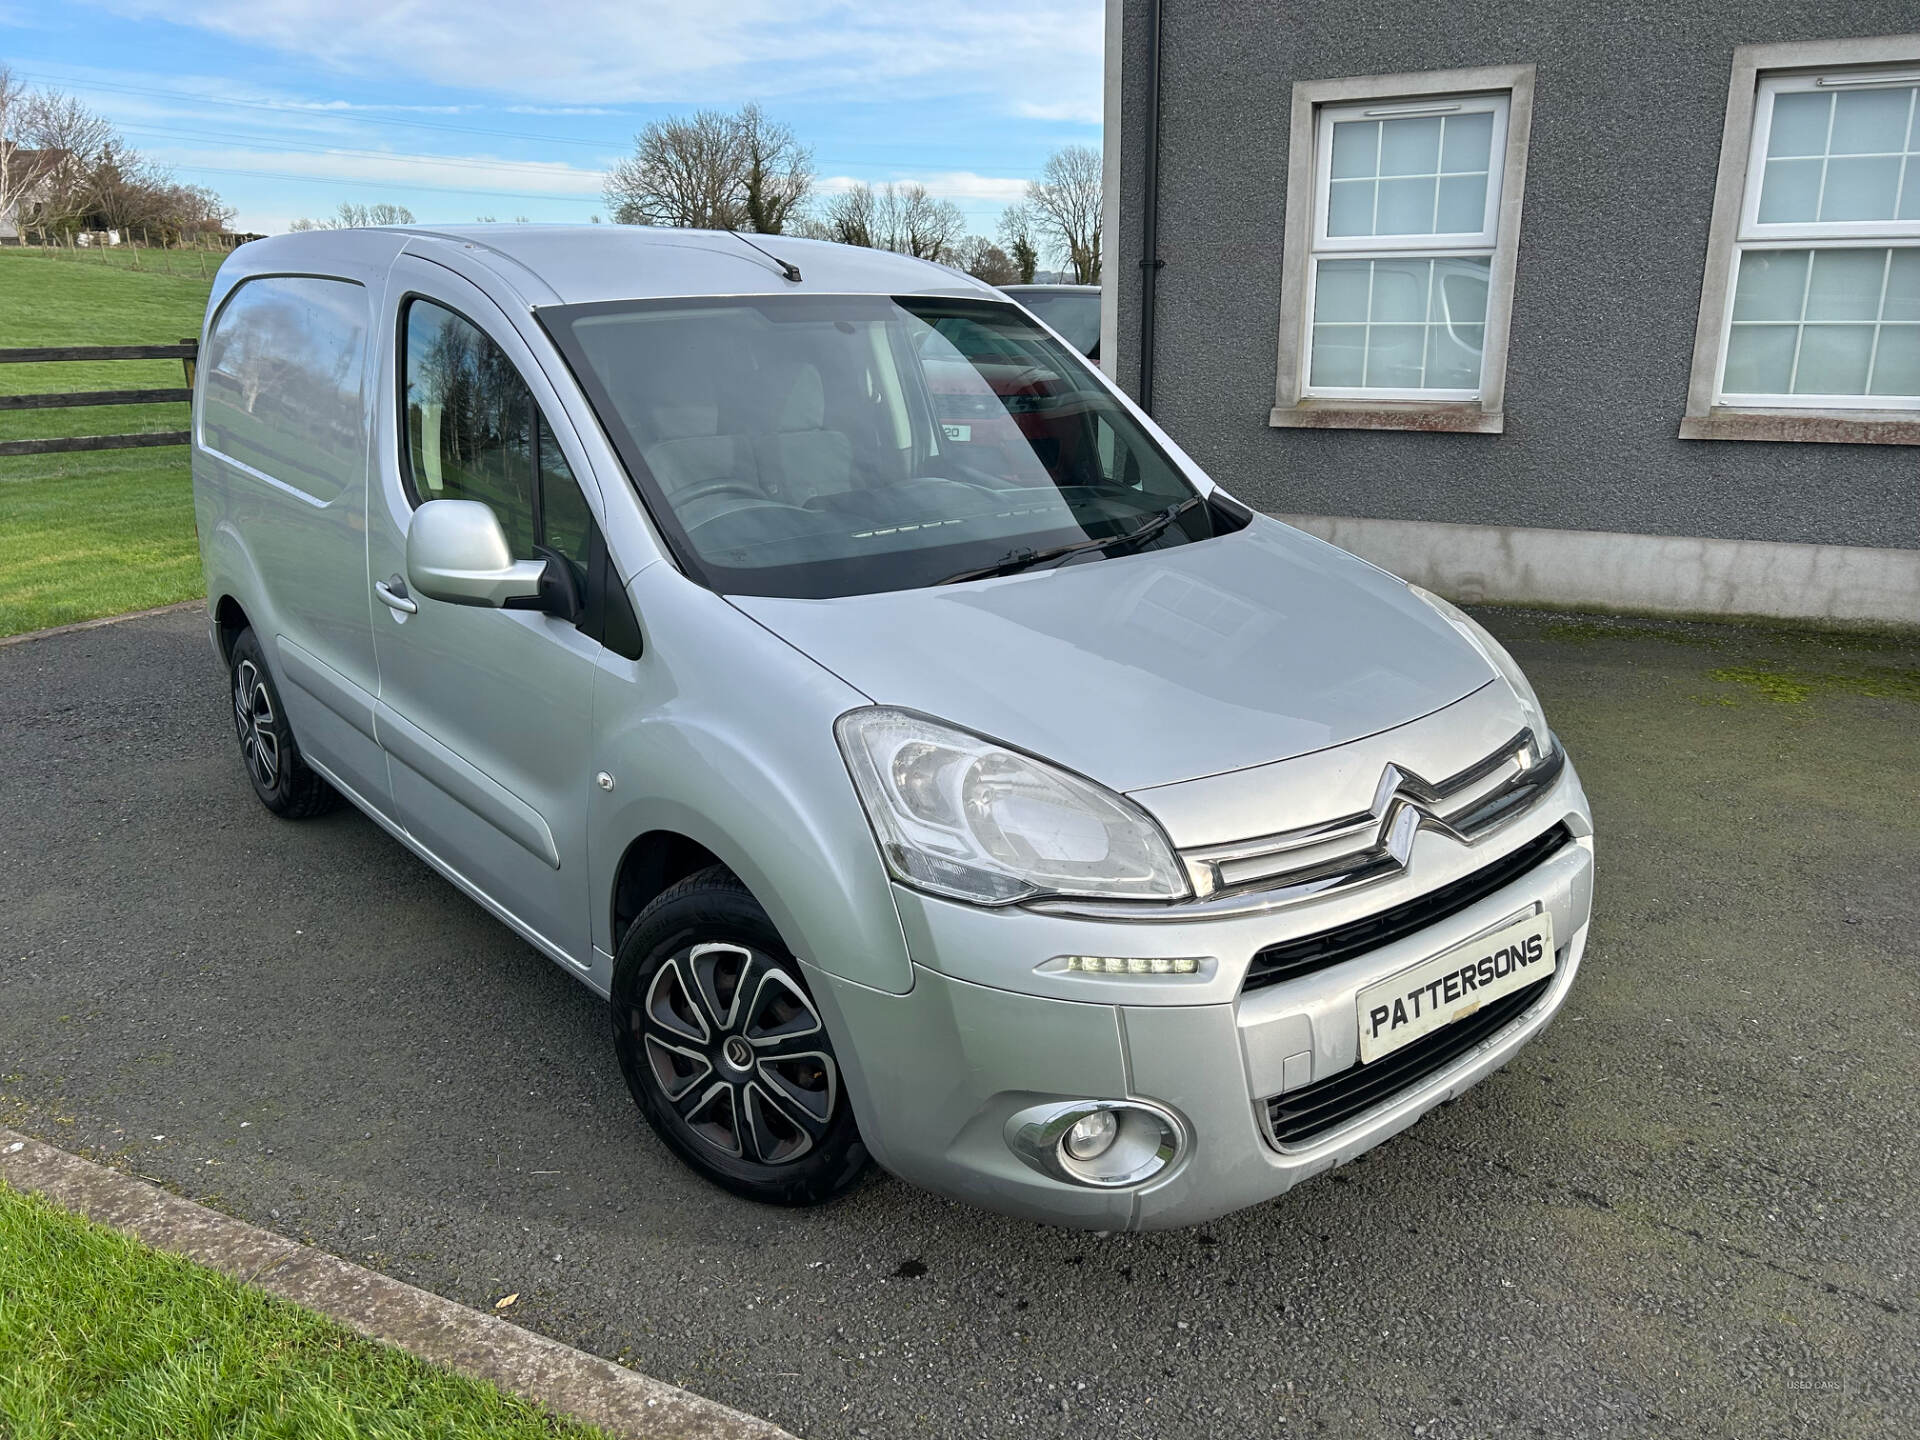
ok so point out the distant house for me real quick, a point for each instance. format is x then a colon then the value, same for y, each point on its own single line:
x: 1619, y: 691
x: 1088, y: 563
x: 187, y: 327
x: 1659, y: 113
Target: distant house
x: 1683, y: 377
x: 30, y: 176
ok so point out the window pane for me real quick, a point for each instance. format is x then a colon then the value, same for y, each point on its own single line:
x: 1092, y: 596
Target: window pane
x: 1791, y: 191
x: 1356, y: 144
x: 563, y: 509
x: 1410, y: 147
x: 1400, y: 291
x: 1468, y: 142
x: 1860, y: 188
x: 1406, y: 207
x: 1350, y: 207
x: 1394, y: 355
x: 1800, y: 124
x: 1340, y: 290
x: 1453, y: 357
x: 467, y: 421
x: 1463, y: 205
x: 1833, y: 360
x: 1903, y: 286
x: 1870, y: 122
x: 1910, y: 188
x: 1460, y: 291
x: 1772, y: 286
x: 1896, y: 366
x: 1339, y: 355
x: 1759, y: 359
x: 1846, y: 284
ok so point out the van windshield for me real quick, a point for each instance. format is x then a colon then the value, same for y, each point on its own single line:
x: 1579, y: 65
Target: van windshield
x: 839, y: 445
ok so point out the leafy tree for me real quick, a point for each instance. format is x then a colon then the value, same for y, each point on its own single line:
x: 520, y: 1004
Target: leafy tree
x: 1016, y: 234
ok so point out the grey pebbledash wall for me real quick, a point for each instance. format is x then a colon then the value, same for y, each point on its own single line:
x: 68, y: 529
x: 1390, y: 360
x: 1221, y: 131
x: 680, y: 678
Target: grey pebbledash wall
x: 1628, y: 110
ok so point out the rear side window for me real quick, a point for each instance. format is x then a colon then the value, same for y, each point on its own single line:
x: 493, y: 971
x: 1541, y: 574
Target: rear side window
x: 283, y: 377
x: 475, y: 433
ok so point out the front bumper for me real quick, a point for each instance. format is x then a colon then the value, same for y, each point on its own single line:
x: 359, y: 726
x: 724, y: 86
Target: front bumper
x: 936, y: 1074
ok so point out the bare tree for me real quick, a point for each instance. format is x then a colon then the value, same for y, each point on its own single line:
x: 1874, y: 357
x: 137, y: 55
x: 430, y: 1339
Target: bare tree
x: 353, y: 216
x: 71, y: 142
x: 920, y: 225
x: 904, y: 218
x: 1066, y: 205
x: 683, y: 171
x: 22, y: 169
x: 851, y: 217
x: 777, y: 171
x: 984, y: 260
x: 1016, y: 234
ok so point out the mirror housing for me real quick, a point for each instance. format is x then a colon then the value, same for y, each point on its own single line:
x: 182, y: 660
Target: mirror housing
x: 457, y: 553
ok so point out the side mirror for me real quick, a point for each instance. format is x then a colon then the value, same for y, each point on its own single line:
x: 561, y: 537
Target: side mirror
x: 457, y: 552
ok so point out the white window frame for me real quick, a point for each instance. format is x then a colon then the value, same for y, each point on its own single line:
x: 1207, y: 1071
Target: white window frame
x: 1504, y: 91
x: 1760, y: 74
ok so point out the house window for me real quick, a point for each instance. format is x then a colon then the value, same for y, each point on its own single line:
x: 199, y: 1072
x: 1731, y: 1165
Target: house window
x: 1810, y: 314
x: 1403, y: 215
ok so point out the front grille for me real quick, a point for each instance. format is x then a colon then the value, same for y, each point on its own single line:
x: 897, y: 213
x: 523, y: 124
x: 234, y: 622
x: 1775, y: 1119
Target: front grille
x: 1301, y: 1115
x: 1293, y: 958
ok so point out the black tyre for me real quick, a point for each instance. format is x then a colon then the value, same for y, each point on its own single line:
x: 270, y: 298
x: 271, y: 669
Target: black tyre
x: 724, y: 1050
x: 284, y: 782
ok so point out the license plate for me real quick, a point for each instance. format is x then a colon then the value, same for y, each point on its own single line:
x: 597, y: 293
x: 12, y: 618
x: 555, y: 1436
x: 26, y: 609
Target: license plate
x: 1453, y: 984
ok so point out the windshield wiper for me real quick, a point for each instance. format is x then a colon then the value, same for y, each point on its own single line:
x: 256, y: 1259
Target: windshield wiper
x: 1015, y: 561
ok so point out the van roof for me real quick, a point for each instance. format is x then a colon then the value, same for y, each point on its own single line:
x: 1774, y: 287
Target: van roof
x: 574, y: 264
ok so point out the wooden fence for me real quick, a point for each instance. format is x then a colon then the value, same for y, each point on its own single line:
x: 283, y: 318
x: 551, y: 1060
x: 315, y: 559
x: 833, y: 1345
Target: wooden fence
x: 185, y: 352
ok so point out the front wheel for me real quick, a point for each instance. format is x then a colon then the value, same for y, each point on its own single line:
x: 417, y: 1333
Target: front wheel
x: 724, y: 1050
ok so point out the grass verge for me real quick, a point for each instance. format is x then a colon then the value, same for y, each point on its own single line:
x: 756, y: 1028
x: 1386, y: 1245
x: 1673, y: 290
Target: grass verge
x: 103, y: 1337
x: 95, y: 534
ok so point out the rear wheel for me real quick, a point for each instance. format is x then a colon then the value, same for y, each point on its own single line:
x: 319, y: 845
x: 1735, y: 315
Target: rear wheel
x: 285, y: 783
x: 724, y: 1050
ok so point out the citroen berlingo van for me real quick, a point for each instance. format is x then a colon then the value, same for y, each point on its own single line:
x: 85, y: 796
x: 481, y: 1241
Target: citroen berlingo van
x: 810, y: 652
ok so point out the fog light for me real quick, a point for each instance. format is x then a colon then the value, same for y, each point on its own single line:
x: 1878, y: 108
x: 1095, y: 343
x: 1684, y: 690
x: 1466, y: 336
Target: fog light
x: 1092, y: 1135
x: 1100, y: 1143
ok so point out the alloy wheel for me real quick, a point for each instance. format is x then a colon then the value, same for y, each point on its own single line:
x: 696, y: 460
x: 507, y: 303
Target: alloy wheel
x: 738, y: 1053
x: 253, y: 718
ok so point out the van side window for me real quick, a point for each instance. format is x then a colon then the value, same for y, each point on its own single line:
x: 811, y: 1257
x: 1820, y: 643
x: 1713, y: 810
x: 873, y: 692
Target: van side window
x: 281, y: 382
x: 474, y: 433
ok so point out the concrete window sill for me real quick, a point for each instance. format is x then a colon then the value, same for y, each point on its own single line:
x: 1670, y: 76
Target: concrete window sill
x: 1829, y: 427
x: 1387, y: 415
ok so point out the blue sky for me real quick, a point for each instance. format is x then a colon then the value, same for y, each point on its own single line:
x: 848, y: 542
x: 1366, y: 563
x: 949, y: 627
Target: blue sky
x: 466, y: 108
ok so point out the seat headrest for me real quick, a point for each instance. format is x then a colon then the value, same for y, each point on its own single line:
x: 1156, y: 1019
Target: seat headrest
x: 804, y: 406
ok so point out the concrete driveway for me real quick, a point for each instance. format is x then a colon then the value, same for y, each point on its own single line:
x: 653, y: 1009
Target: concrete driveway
x: 1692, y: 1207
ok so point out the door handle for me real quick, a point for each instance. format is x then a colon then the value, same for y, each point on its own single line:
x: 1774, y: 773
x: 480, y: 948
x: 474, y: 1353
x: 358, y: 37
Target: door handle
x: 393, y: 595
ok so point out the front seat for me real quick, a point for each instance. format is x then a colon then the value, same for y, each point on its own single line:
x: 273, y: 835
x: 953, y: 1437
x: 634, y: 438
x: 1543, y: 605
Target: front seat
x: 799, y: 458
x: 684, y: 450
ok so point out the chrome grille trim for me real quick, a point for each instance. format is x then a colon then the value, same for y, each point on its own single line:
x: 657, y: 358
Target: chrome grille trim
x: 1266, y: 872
x: 1378, y: 841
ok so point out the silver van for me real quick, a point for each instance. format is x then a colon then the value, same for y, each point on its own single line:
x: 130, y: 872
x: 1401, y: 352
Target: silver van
x: 814, y: 655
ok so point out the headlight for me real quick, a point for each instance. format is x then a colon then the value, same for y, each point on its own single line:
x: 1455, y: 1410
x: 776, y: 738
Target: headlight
x: 961, y: 816
x: 1496, y: 656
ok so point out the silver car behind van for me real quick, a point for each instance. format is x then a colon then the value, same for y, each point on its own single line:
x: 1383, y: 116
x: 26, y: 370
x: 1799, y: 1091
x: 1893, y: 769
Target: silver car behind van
x: 819, y: 659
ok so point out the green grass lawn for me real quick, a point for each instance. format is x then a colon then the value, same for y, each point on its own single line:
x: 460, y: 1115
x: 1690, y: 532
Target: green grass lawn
x: 103, y: 1337
x: 85, y: 535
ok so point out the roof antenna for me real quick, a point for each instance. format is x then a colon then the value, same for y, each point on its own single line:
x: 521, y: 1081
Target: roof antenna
x: 787, y: 267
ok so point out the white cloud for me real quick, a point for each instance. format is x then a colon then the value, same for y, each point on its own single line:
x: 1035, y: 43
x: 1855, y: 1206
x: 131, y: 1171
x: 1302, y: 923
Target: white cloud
x: 1035, y: 57
x: 432, y: 172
